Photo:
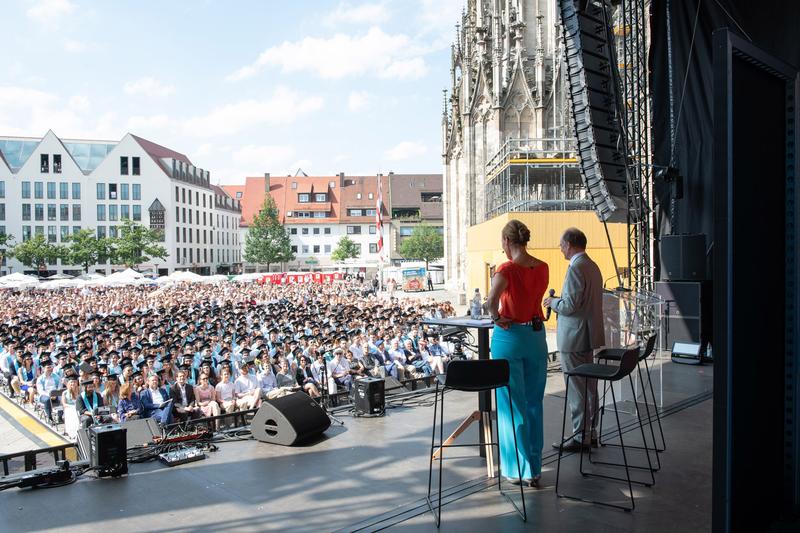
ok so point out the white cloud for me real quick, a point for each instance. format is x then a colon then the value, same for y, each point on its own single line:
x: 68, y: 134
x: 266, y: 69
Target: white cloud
x: 50, y: 12
x: 79, y: 103
x: 346, y: 13
x: 358, y: 101
x: 437, y: 19
x: 250, y: 160
x: 405, y: 150
x: 149, y: 87
x: 375, y: 53
x: 73, y: 46
x: 282, y: 107
x: 147, y: 124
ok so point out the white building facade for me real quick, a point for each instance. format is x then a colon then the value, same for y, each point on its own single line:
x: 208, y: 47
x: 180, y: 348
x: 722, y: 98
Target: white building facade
x: 55, y: 187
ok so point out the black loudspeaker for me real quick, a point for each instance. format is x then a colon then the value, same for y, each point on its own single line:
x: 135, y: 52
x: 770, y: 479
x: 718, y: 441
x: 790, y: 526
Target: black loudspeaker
x: 369, y: 396
x: 683, y: 257
x: 393, y: 384
x: 686, y: 311
x: 108, y: 453
x: 141, y: 431
x: 289, y: 420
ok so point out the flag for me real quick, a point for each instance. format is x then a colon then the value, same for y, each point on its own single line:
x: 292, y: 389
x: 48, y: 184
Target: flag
x: 379, y: 216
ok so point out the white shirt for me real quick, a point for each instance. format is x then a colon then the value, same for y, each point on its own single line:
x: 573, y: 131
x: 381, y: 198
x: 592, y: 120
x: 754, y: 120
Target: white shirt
x: 245, y: 384
x: 574, y: 257
x: 225, y: 391
x: 158, y: 399
x: 267, y: 381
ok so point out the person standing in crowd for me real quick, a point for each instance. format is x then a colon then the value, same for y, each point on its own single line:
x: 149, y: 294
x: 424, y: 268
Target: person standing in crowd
x: 579, y: 333
x: 514, y: 300
x: 430, y: 282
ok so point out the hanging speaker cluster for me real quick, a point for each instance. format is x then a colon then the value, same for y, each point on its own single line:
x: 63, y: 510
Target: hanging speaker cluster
x: 596, y: 109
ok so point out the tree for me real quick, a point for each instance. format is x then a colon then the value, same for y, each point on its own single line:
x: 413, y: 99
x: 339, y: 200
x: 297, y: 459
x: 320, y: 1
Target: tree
x: 345, y: 249
x: 86, y: 249
x: 425, y: 244
x: 5, y: 241
x: 267, y: 241
x: 36, y: 252
x: 136, y: 244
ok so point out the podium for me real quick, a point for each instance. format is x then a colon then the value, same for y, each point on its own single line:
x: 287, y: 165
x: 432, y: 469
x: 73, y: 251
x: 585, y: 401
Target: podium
x: 484, y: 413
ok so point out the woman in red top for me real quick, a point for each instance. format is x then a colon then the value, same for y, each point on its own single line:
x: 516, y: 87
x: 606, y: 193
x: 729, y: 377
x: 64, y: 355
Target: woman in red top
x: 518, y: 287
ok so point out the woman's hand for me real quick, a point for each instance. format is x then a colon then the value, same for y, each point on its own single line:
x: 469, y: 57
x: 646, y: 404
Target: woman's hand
x: 503, y: 322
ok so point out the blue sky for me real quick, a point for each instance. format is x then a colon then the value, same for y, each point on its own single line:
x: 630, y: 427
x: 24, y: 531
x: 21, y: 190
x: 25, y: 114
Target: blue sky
x: 241, y: 87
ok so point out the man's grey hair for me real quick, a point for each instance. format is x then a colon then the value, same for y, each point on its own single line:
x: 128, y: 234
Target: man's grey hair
x: 575, y: 238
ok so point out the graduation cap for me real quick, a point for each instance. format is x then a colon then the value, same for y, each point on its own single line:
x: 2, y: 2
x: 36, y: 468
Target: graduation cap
x: 207, y: 361
x: 87, y: 382
x: 70, y: 376
x: 141, y: 363
x: 185, y: 368
x: 112, y: 377
x: 85, y: 368
x: 136, y: 373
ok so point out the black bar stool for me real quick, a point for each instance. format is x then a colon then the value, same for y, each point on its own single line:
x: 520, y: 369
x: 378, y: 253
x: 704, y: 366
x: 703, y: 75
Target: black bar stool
x: 615, y: 354
x: 604, y: 373
x: 471, y: 376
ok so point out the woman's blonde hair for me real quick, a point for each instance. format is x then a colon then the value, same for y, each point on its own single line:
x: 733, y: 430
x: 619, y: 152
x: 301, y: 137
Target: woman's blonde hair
x: 516, y: 232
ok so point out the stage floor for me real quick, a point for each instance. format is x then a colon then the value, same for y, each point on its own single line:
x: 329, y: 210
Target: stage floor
x: 371, y: 474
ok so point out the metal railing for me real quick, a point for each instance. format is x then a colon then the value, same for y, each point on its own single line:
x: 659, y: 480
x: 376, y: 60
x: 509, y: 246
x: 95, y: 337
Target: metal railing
x: 555, y: 149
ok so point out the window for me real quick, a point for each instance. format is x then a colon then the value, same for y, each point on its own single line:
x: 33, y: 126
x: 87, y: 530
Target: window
x: 354, y: 230
x: 305, y: 231
x: 294, y: 249
x: 294, y: 185
x: 321, y: 197
x: 26, y: 233
x: 63, y: 210
x: 204, y: 213
x: 327, y: 248
x: 183, y: 211
x: 190, y: 197
x: 101, y: 212
x: 190, y: 235
x: 183, y: 196
x: 112, y: 212
x: 76, y: 212
x: 372, y: 230
x: 205, y: 250
x: 358, y: 248
x: 332, y: 184
x: 239, y: 195
x: 76, y: 191
x: 51, y: 190
x: 177, y: 194
x: 184, y: 235
x: 177, y: 234
x: 52, y: 234
x: 124, y: 212
x: 369, y: 212
x: 177, y: 214
x: 112, y: 232
x: 320, y: 214
x: 197, y: 202
x: 101, y: 232
x: 370, y: 196
x: 137, y: 212
x: 63, y: 191
x: 101, y: 191
x: 305, y: 249
x: 123, y: 191
x: 358, y: 196
x: 354, y: 212
x: 26, y: 211
x: 51, y: 212
x: 316, y: 248
x: 327, y: 231
x: 211, y: 255
x: 373, y: 248
x: 205, y: 237
x: 2, y: 189
x: 45, y: 160
x: 76, y: 229
x: 316, y: 231
x: 406, y: 231
x: 293, y: 231
x: 112, y: 191
x: 38, y: 190
x: 191, y: 255
x: 57, y: 163
x: 137, y: 192
x: 303, y: 198
x: 26, y: 189
x: 136, y: 166
x: 38, y: 212
x: 2, y: 212
x: 64, y: 233
x: 190, y: 213
x: 123, y: 166
x: 38, y: 230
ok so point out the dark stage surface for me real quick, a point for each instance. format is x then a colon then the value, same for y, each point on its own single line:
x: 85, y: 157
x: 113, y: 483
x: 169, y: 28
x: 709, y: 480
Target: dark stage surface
x: 372, y: 474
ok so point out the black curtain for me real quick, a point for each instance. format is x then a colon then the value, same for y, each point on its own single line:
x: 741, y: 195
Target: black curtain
x: 772, y: 25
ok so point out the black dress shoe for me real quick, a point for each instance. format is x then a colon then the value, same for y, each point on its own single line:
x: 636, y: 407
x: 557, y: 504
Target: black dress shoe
x: 571, y: 446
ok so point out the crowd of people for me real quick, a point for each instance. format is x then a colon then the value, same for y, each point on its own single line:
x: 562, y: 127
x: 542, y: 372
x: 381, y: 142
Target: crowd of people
x: 197, y: 350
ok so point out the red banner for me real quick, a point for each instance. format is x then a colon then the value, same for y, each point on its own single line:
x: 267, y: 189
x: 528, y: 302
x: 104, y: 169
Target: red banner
x: 284, y: 278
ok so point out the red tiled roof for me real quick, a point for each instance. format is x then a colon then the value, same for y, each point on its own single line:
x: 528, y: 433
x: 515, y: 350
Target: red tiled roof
x: 285, y: 197
x: 157, y: 152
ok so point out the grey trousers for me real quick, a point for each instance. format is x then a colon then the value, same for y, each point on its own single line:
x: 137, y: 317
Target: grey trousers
x: 582, y: 422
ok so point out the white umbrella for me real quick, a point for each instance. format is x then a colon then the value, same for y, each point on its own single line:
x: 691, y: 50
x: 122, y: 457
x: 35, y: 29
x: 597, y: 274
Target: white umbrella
x: 216, y: 278
x: 180, y: 275
x: 59, y: 276
x: 17, y: 280
x: 90, y: 276
x: 59, y: 284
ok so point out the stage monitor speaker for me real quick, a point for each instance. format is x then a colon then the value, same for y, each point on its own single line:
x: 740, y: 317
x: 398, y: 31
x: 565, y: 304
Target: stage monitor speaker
x: 289, y: 420
x: 393, y: 385
x: 686, y: 311
x: 369, y: 396
x: 683, y: 257
x: 108, y: 453
x: 597, y: 112
x: 141, y: 431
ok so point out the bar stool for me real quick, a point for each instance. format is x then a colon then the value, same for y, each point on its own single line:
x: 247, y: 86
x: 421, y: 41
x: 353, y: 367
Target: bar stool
x: 471, y: 376
x: 604, y: 373
x: 615, y: 354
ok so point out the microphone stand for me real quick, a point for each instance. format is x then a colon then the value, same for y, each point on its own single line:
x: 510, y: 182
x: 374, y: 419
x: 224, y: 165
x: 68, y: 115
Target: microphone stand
x: 323, y: 372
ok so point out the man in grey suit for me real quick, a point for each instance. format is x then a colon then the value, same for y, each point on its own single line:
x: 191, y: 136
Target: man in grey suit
x: 579, y: 333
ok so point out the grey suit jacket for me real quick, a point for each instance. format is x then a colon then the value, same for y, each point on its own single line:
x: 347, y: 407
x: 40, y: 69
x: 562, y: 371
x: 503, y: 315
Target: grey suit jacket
x: 580, y: 308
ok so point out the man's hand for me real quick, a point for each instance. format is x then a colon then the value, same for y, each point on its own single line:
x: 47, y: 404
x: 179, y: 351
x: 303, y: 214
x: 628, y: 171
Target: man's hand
x: 547, y: 301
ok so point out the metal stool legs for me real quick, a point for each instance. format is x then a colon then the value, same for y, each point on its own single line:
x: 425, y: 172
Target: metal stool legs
x: 437, y: 513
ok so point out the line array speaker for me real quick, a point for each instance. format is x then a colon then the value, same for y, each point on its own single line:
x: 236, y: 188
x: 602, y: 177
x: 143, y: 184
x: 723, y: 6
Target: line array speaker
x: 596, y: 108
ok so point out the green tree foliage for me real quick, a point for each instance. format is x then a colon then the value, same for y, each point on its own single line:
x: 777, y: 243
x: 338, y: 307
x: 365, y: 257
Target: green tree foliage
x: 135, y: 244
x: 345, y: 249
x: 36, y: 252
x: 267, y: 241
x: 86, y: 249
x: 5, y: 242
x: 424, y: 244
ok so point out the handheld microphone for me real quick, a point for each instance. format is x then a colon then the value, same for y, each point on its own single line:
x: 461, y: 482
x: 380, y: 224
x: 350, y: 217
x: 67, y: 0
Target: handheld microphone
x: 551, y: 293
